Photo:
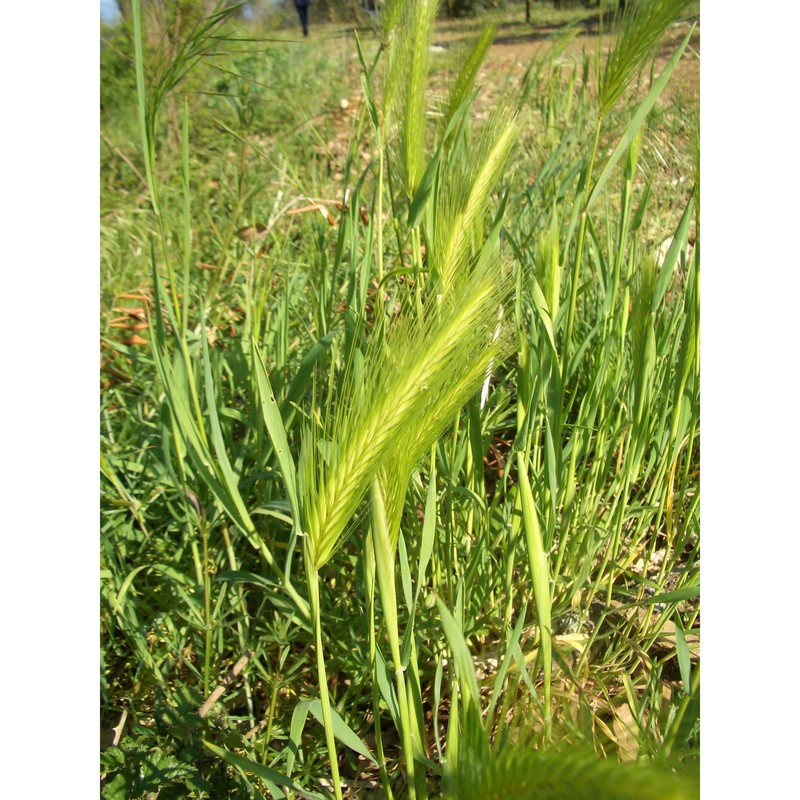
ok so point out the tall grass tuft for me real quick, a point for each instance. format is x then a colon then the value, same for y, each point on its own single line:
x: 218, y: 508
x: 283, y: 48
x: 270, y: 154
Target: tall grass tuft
x: 391, y: 408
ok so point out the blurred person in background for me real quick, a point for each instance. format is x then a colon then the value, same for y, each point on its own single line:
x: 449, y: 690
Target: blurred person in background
x: 302, y: 12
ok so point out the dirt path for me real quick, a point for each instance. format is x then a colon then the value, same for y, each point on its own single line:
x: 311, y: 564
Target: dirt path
x: 517, y: 44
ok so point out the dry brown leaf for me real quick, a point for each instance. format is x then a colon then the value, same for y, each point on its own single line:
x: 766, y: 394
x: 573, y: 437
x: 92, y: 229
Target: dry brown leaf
x: 127, y: 326
x: 251, y: 233
x: 314, y: 207
x: 139, y: 313
x: 134, y: 296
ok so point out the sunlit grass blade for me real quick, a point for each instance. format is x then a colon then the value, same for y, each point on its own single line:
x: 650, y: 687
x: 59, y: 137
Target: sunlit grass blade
x: 277, y: 432
x: 540, y: 576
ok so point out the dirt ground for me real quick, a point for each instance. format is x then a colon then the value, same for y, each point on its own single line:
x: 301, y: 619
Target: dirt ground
x: 517, y: 44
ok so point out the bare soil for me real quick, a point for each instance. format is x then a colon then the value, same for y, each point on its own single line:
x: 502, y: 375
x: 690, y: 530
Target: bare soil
x: 517, y: 44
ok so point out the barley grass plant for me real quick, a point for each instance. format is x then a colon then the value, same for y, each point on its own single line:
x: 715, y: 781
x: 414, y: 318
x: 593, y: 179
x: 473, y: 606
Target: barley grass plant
x: 399, y: 395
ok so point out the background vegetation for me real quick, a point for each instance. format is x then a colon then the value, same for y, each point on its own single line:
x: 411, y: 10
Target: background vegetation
x: 307, y: 587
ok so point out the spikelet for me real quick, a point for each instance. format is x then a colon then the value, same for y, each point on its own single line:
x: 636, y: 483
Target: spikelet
x: 464, y: 198
x: 644, y: 25
x: 465, y: 79
x: 412, y: 385
x: 405, y: 84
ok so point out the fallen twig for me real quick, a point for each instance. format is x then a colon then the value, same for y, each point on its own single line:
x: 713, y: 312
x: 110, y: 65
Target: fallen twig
x: 224, y: 685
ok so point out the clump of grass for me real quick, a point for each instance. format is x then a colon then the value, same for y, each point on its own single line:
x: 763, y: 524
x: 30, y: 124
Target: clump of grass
x: 556, y: 514
x: 389, y: 413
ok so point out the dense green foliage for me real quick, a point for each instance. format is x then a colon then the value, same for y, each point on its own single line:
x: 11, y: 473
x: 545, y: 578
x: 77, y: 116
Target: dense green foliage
x: 400, y: 412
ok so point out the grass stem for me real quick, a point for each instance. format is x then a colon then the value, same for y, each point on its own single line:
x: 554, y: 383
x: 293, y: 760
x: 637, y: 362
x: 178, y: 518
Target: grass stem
x: 324, y: 696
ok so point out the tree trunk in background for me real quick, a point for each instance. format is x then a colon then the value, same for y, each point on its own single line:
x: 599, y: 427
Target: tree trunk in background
x: 528, y: 11
x: 126, y: 10
x: 324, y: 12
